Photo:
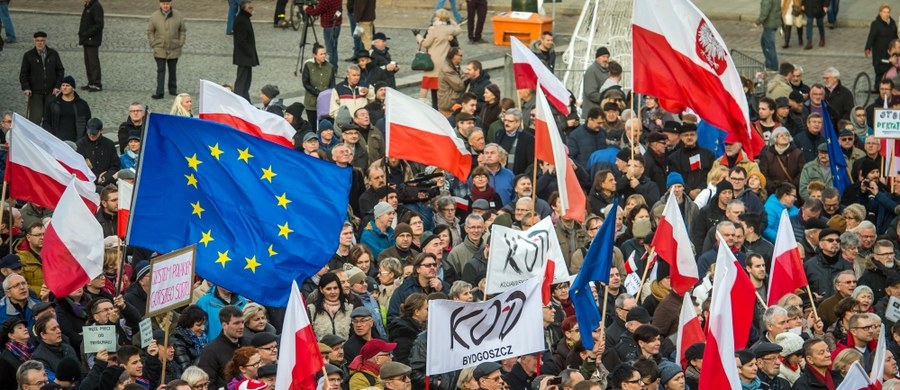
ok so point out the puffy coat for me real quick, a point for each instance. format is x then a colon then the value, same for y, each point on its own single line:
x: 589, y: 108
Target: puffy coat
x: 166, y: 33
x: 773, y: 212
x: 212, y: 304
x: 437, y: 45
x: 324, y: 323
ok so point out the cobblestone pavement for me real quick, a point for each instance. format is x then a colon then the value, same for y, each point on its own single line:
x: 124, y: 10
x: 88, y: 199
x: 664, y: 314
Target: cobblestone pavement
x: 129, y: 71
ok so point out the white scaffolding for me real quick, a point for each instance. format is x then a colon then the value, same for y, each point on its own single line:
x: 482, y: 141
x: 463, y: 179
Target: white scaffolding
x: 602, y: 23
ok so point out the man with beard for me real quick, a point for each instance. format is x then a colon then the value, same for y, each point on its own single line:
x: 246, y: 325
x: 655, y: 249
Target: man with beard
x: 881, y: 266
x: 691, y: 160
x: 402, y: 248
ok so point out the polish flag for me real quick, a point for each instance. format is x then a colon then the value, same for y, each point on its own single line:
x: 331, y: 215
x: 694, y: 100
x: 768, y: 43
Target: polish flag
x: 218, y: 104
x: 631, y: 265
x: 126, y: 195
x: 679, y: 57
x: 73, y: 245
x: 877, y: 374
x: 414, y: 131
x: 787, y: 273
x: 674, y: 247
x: 730, y: 317
x: 298, y: 353
x: 856, y: 379
x: 530, y: 72
x: 549, y: 147
x: 689, y: 330
x: 40, y: 167
x: 890, y: 153
x: 695, y: 162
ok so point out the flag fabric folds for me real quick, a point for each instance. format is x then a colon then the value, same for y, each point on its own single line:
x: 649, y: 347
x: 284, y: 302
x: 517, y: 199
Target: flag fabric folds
x: 730, y: 317
x: 689, y: 330
x: 73, y: 245
x: 261, y: 215
x: 877, y: 374
x: 298, y: 350
x: 218, y: 104
x: 680, y: 58
x: 839, y: 174
x: 530, y: 72
x: 673, y: 245
x: 596, y: 266
x: 40, y: 166
x: 414, y: 131
x: 549, y: 147
x: 126, y: 195
x: 787, y: 273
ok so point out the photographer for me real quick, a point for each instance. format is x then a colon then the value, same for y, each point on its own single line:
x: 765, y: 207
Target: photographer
x: 867, y: 185
x: 330, y: 20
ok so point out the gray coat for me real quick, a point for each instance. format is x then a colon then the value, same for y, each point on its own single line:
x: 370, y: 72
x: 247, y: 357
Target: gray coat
x: 594, y: 77
x: 166, y: 33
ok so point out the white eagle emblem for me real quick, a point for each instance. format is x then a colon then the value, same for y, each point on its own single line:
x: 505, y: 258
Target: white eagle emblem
x: 709, y: 49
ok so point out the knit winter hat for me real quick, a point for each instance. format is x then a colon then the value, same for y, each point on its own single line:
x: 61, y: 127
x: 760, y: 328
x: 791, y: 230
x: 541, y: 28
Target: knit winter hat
x: 674, y: 178
x: 790, y: 343
x: 382, y: 208
x: 402, y: 228
x: 667, y: 371
x: 295, y: 109
x: 270, y: 90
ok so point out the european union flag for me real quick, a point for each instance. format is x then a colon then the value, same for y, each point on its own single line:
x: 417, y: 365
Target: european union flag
x: 596, y: 266
x: 836, y: 158
x: 262, y: 215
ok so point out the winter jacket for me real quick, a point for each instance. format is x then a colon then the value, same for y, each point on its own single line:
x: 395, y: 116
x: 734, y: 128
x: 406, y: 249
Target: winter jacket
x: 409, y: 287
x: 769, y: 14
x: 187, y: 347
x: 647, y: 188
x: 582, y: 142
x: 244, y: 53
x: 665, y: 317
x: 166, y: 33
x: 403, y: 331
x: 475, y: 269
x: 324, y: 323
x: 32, y: 266
x: 9, y: 310
x: 327, y: 10
x: 50, y: 355
x: 781, y: 168
x: 740, y: 161
x: 876, y: 278
x: 778, y: 87
x: 820, y: 272
x: 570, y: 240
x: 350, y: 96
x: 656, y: 168
x: 72, y: 317
x: 90, y: 30
x: 477, y: 87
x: 773, y: 212
x: 364, y: 10
x: 127, y: 129
x: 381, y: 58
x: 9, y: 364
x: 548, y: 58
x: 461, y: 254
x: 524, y: 153
x: 594, y: 77
x: 437, y: 46
x: 808, y: 381
x: 377, y: 240
x: 212, y: 304
x: 840, y: 100
x: 215, y: 356
x: 881, y: 34
x: 102, y: 157
x: 52, y: 112
x: 41, y: 76
x: 814, y: 171
x: 694, y: 178
x: 814, y: 8
x: 450, y: 85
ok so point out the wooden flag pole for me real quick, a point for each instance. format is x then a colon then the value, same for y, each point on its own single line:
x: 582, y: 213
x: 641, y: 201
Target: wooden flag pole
x: 761, y: 300
x: 164, y: 352
x: 605, y: 304
x: 644, y: 275
x: 812, y: 301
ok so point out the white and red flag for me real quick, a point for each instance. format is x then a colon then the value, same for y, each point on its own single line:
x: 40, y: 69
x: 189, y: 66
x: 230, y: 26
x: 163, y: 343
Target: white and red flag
x: 695, y: 162
x: 730, y: 317
x: 673, y: 245
x: 549, y: 147
x: 126, y: 195
x: 877, y: 374
x: 530, y: 72
x: 40, y: 167
x: 856, y: 379
x: 218, y: 104
x: 73, y: 245
x: 631, y: 265
x: 298, y: 351
x: 787, y: 273
x: 679, y: 57
x: 414, y: 131
x: 689, y: 330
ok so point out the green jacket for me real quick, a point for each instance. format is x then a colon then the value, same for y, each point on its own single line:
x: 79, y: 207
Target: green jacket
x: 769, y: 14
x: 811, y: 171
x: 316, y: 78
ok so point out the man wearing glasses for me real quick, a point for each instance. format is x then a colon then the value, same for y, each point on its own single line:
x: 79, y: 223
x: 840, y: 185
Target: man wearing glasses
x: 29, y: 253
x: 769, y: 365
x: 395, y: 376
x: 488, y: 376
x: 423, y: 280
x: 863, y: 330
x: 373, y: 356
x: 881, y: 266
x: 823, y: 268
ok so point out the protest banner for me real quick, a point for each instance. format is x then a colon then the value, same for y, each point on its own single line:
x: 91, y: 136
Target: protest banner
x: 517, y: 256
x: 462, y: 334
x: 886, y: 123
x: 171, y: 281
x: 97, y: 337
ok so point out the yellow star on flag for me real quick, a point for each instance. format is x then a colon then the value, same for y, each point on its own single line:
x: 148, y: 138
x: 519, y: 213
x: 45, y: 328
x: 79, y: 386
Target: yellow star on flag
x: 191, y: 180
x: 245, y: 155
x: 251, y: 263
x: 197, y: 209
x: 272, y: 250
x: 215, y: 151
x: 193, y: 161
x: 223, y: 258
x: 284, y: 230
x: 207, y: 237
x: 268, y: 174
x: 283, y: 200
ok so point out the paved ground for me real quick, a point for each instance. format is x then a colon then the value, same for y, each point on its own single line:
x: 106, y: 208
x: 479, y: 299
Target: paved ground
x: 129, y: 71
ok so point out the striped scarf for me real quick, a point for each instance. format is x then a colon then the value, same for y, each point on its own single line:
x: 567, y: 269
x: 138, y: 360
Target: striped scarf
x: 21, y: 351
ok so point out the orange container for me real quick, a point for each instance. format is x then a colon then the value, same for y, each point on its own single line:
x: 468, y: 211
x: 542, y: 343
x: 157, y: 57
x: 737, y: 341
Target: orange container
x: 526, y: 26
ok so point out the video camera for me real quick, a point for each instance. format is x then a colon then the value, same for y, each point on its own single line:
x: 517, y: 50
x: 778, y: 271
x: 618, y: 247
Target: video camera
x: 422, y: 187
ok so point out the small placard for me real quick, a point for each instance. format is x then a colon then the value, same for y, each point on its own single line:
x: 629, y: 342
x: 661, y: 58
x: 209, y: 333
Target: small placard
x: 99, y: 337
x: 886, y: 123
x: 893, y: 309
x: 146, y: 332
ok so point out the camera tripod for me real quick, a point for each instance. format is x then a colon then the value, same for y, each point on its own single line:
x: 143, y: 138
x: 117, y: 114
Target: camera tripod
x: 300, y: 17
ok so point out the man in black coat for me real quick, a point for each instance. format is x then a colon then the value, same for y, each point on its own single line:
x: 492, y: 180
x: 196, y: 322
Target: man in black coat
x: 840, y: 99
x: 477, y: 81
x: 244, y: 55
x: 220, y: 350
x: 691, y: 161
x: 100, y: 152
x: 40, y: 76
x: 90, y: 36
x: 66, y: 116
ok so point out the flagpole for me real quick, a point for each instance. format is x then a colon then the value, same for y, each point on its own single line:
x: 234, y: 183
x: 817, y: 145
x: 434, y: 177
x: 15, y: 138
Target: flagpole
x: 762, y: 301
x: 637, y: 296
x: 9, y: 226
x: 120, y: 267
x: 164, y: 354
x: 812, y: 301
x: 640, y: 123
x: 605, y: 304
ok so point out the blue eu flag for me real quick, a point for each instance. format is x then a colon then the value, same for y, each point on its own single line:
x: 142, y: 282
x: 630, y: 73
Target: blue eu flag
x: 595, y: 268
x: 262, y: 215
x: 836, y: 158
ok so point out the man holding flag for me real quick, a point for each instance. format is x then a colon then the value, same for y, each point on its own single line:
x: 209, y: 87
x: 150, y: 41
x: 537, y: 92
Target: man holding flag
x: 596, y: 267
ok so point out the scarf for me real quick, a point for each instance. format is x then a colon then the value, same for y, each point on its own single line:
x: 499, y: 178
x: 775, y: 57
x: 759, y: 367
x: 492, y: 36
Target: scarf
x: 826, y: 379
x: 659, y: 291
x: 131, y: 155
x: 781, y: 150
x: 197, y: 342
x: 21, y: 351
x: 331, y: 308
x: 753, y: 385
x: 487, y: 194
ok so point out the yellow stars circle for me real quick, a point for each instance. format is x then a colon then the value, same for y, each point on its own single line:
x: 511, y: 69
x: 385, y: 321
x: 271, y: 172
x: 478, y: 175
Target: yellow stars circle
x: 191, y: 180
x: 272, y: 250
x: 268, y: 174
x: 251, y: 263
x: 283, y: 200
x: 284, y: 230
x: 197, y: 209
x: 215, y: 151
x: 207, y: 237
x: 193, y: 161
x: 223, y: 258
x: 244, y: 155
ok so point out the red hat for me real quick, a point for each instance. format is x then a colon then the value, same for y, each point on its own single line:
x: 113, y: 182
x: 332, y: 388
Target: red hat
x: 731, y: 138
x: 252, y: 384
x: 373, y: 347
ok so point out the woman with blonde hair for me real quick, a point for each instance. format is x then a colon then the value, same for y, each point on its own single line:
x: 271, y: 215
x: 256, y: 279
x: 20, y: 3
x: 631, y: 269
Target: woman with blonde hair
x: 183, y: 105
x: 436, y: 42
x: 195, y: 377
x: 712, y: 178
x: 845, y: 359
x: 255, y: 321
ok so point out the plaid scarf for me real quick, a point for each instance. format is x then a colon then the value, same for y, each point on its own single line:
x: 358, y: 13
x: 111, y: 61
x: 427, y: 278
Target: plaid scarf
x: 21, y: 351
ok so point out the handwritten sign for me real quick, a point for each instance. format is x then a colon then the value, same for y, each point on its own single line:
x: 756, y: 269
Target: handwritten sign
x: 887, y: 123
x: 171, y: 280
x: 99, y: 337
x: 146, y: 332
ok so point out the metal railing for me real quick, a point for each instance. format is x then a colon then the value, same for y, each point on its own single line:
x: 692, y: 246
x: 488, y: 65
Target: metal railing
x: 752, y: 69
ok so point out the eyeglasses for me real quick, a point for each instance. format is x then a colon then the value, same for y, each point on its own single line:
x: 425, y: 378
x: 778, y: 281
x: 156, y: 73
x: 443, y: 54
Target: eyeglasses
x: 846, y: 138
x: 867, y: 328
x: 362, y: 321
x: 738, y: 179
x: 884, y: 254
x: 39, y: 383
x: 257, y: 364
x: 493, y: 378
x: 829, y: 239
x: 428, y: 265
x: 270, y: 349
x: 200, y: 385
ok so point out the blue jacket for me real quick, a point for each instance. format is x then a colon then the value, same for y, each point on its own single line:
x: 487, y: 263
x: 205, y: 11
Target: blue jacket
x: 377, y: 240
x: 8, y: 310
x: 409, y: 287
x: 583, y: 142
x: 212, y: 304
x: 773, y: 210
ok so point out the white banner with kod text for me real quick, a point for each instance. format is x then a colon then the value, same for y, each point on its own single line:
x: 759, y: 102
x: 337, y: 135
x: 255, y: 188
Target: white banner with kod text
x: 517, y: 256
x: 464, y: 334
